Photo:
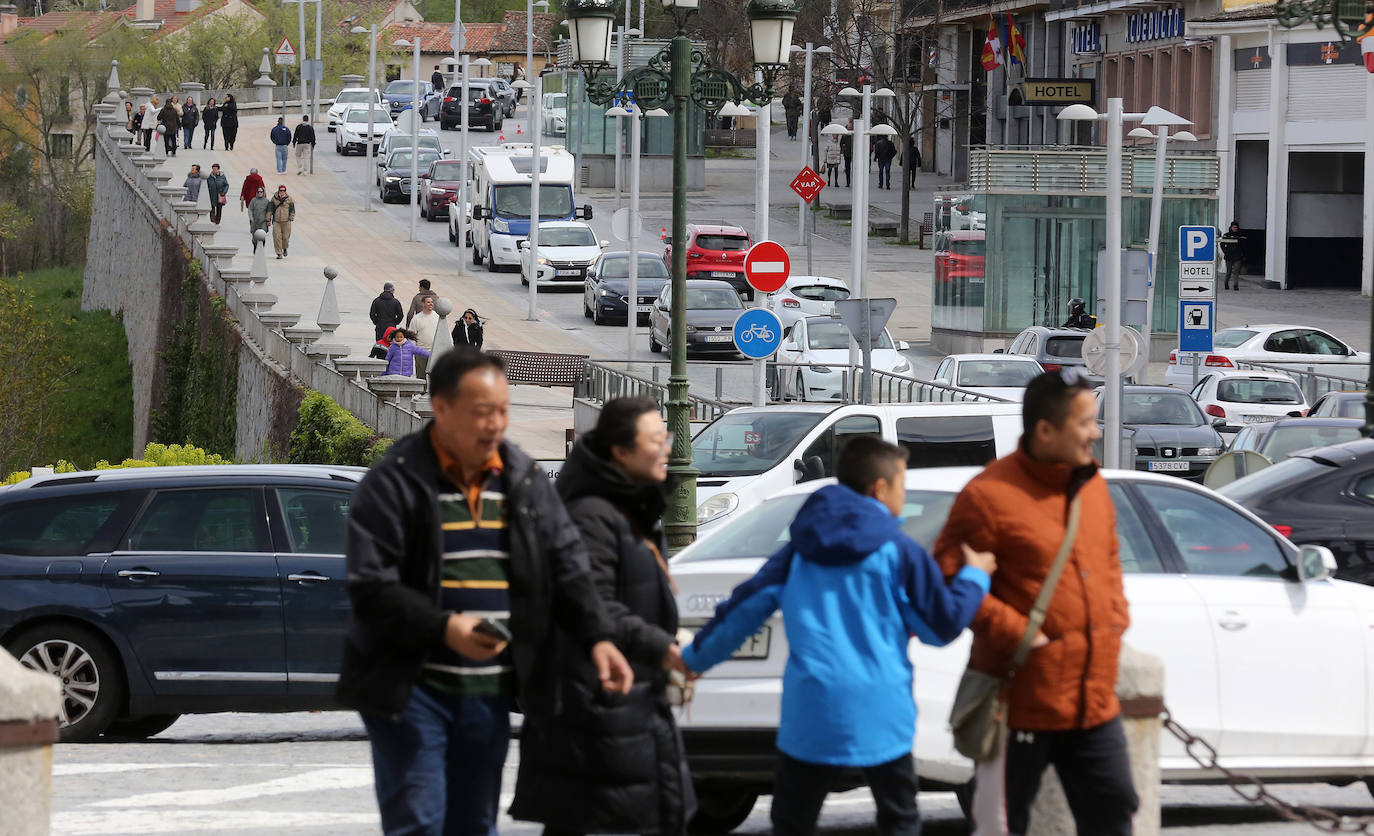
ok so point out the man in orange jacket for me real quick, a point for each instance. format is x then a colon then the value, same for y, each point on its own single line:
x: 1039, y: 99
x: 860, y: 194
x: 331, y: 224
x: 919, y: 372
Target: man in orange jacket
x: 1062, y: 703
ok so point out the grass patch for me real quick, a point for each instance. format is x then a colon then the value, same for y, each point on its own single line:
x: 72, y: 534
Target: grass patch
x: 728, y: 154
x: 911, y: 243
x: 97, y: 399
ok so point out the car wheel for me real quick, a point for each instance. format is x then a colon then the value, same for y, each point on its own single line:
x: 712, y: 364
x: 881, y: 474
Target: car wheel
x: 586, y: 311
x: 477, y: 256
x: 800, y: 389
x: 92, y: 680
x: 140, y: 728
x: 491, y: 262
x: 774, y: 381
x: 721, y: 810
x: 597, y: 318
x: 381, y: 195
x: 423, y: 213
x: 654, y: 345
x: 453, y: 239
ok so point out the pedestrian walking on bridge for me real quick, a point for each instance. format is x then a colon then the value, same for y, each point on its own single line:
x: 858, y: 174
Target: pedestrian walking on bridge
x: 283, y: 210
x: 251, y: 184
x: 259, y: 215
x: 386, y: 310
x: 304, y: 140
x: 192, y: 184
x: 468, y: 330
x: 229, y: 121
x: 218, y: 186
x: 190, y: 118
x: 209, y: 116
x: 425, y: 326
x: 281, y: 140
x: 461, y: 562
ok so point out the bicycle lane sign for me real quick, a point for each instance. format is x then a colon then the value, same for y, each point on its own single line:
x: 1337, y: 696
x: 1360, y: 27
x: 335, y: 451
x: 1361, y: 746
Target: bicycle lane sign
x: 758, y: 333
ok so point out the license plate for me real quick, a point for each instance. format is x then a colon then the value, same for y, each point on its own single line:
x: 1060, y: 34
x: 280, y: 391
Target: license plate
x: 719, y: 338
x: 569, y: 273
x: 756, y: 646
x: 1258, y: 419
x: 1167, y: 466
x: 722, y: 274
x: 643, y: 308
x: 1187, y: 359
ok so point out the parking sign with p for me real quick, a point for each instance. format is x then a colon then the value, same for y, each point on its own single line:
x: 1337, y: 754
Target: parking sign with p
x: 1197, y: 243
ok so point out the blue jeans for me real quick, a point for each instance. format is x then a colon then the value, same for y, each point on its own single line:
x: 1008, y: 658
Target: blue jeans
x: 187, y: 134
x: 884, y: 174
x: 282, y: 152
x: 437, y: 768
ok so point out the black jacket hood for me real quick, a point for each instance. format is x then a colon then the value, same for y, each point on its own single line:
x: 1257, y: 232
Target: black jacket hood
x: 587, y: 474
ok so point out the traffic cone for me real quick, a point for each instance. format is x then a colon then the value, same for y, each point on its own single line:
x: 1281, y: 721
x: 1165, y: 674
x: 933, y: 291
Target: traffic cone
x: 518, y: 132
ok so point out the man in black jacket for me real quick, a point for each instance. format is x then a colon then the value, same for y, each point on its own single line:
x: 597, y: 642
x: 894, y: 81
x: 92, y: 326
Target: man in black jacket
x: 461, y: 561
x: 386, y: 310
x: 304, y: 140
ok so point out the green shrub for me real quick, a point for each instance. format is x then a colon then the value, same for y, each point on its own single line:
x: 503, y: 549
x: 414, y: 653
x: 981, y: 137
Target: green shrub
x: 326, y: 433
x: 154, y: 455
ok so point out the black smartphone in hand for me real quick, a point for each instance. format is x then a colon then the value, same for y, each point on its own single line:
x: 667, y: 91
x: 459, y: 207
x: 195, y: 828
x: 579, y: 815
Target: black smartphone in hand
x: 493, y: 630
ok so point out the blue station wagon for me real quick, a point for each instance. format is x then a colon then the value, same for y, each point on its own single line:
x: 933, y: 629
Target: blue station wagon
x: 156, y: 592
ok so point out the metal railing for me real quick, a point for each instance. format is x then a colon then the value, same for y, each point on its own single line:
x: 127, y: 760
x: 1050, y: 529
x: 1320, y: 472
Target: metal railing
x: 604, y: 383
x: 1083, y: 170
x: 1313, y: 383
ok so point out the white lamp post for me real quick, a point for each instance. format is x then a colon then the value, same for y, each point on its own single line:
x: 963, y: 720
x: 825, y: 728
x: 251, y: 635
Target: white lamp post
x: 1114, y: 117
x: 414, y: 132
x: 369, y: 169
x: 529, y: 51
x: 536, y: 102
x: 637, y: 115
x: 462, y: 231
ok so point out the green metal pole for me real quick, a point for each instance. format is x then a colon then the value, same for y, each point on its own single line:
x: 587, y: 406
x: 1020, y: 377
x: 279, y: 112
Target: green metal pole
x: 680, y: 517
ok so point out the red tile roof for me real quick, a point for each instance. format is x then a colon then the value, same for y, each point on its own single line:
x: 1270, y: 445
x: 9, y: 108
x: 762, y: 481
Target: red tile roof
x: 512, y: 37
x: 434, y: 37
x: 94, y: 23
x: 172, y: 20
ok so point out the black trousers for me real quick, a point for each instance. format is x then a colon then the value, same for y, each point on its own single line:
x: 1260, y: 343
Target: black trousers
x: 848, y: 162
x: 1094, y: 767
x: 799, y: 790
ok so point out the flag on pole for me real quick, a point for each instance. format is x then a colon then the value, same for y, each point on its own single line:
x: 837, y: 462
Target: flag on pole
x: 1016, y: 45
x: 992, y: 48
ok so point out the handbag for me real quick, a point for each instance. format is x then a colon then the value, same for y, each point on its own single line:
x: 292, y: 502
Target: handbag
x: 979, y: 716
x: 221, y: 199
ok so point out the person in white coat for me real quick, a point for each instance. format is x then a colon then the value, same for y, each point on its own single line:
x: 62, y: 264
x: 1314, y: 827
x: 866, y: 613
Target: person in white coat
x: 425, y: 324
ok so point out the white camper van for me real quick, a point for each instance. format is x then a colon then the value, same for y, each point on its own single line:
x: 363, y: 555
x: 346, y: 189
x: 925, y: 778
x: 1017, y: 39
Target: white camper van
x: 501, y: 198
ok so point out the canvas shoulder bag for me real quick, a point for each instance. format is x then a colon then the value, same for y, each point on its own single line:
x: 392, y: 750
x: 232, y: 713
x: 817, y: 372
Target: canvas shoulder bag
x: 979, y: 716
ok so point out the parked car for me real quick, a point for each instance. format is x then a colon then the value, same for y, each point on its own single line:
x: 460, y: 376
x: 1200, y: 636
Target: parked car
x: 1323, y: 496
x: 483, y: 110
x: 1249, y: 397
x: 1053, y: 348
x: 712, y: 308
x: 352, y: 136
x: 814, y: 356
x: 394, y: 173
x: 803, y: 296
x: 960, y: 266
x: 1278, y: 440
x: 1339, y: 405
x: 400, y: 96
x: 441, y: 185
x: 1281, y: 344
x: 503, y: 92
x: 554, y: 114
x: 1171, y: 434
x: 566, y: 250
x: 604, y: 295
x: 161, y: 591
x: 396, y: 137
x: 716, y: 251
x: 998, y: 375
x: 1238, y: 614
x: 348, y: 97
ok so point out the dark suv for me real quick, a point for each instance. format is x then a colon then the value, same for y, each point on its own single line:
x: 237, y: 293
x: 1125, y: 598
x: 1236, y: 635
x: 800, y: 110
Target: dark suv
x: 484, y: 109
x: 161, y: 591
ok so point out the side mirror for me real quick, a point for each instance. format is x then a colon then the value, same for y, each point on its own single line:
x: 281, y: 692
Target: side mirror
x: 587, y: 212
x: 809, y: 469
x: 999, y: 351
x: 943, y: 381
x: 424, y: 176
x: 662, y: 307
x: 1218, y: 423
x: 903, y: 345
x: 605, y: 244
x: 523, y: 244
x: 478, y: 213
x: 1315, y: 563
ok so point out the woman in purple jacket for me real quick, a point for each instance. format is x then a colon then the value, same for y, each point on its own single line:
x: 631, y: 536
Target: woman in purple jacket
x: 400, y: 357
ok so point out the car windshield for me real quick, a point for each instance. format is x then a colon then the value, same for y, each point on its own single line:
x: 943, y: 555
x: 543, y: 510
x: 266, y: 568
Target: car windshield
x: 819, y: 292
x: 727, y: 243
x: 618, y: 267
x: 399, y: 140
x: 761, y: 530
x: 401, y: 159
x: 1173, y: 409
x: 360, y: 116
x: 1071, y: 347
x: 1283, y: 442
x: 1342, y: 406
x: 566, y: 236
x: 1231, y: 337
x: 996, y: 373
x: 513, y: 201
x: 348, y: 96
x: 1286, y: 475
x: 822, y: 334
x: 554, y: 101
x: 978, y: 247
x: 447, y: 170
x: 1258, y: 390
x: 397, y: 88
x: 749, y: 443
x: 712, y: 299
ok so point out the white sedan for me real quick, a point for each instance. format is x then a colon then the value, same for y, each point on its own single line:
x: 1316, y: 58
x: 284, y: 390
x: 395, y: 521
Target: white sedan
x: 1281, y: 344
x: 806, y: 296
x: 1249, y: 397
x: 1251, y: 628
x: 352, y: 137
x: 815, y: 354
x: 566, y: 250
x: 1000, y: 375
x: 348, y: 97
x: 554, y: 115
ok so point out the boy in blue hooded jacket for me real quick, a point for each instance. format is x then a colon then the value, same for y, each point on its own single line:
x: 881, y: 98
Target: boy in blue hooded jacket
x: 853, y: 589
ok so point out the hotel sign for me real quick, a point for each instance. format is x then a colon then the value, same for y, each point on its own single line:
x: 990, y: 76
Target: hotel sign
x: 1059, y: 91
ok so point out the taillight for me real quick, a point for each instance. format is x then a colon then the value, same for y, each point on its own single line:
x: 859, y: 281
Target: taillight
x: 1285, y: 530
x: 448, y: 99
x: 1215, y: 411
x: 1051, y: 367
x: 1216, y: 360
x: 791, y: 303
x: 484, y: 101
x: 1173, y: 357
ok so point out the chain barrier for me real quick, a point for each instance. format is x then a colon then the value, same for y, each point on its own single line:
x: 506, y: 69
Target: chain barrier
x: 1252, y: 789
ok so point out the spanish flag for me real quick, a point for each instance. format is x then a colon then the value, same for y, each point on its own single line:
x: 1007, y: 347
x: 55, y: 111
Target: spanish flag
x: 1016, y: 45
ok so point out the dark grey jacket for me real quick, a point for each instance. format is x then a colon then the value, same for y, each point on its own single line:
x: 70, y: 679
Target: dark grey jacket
x: 393, y: 558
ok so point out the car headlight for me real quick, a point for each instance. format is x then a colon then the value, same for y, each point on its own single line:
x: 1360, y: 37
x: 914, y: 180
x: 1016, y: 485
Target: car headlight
x: 392, y: 178
x: 500, y: 225
x: 716, y: 507
x: 1209, y: 451
x: 437, y: 190
x: 690, y: 329
x: 604, y: 292
x: 544, y: 261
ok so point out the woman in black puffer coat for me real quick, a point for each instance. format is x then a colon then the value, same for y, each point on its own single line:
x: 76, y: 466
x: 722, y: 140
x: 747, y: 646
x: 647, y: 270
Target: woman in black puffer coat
x: 607, y: 763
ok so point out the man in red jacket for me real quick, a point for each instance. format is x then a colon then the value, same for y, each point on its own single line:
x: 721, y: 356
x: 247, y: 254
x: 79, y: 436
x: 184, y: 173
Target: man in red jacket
x: 1062, y: 703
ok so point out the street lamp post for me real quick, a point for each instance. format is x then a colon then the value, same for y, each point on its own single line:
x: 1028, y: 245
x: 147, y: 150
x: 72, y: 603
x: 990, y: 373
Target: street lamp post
x: 637, y: 116
x: 1162, y: 139
x: 810, y: 50
x: 671, y: 80
x: 369, y: 169
x: 529, y: 53
x: 414, y: 132
x: 536, y: 101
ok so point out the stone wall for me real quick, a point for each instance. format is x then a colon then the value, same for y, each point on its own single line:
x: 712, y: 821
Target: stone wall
x: 128, y: 271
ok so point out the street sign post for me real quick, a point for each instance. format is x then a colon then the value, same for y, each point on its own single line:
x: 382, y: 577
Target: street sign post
x: 1197, y: 288
x: 767, y: 266
x: 1195, y: 325
x: 1188, y: 270
x: 807, y: 184
x: 866, y: 319
x: 1197, y: 243
x: 758, y: 333
x: 286, y: 54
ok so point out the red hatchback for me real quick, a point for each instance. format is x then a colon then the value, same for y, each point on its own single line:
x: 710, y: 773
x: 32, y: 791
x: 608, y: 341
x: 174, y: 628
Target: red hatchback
x: 716, y: 252
x: 439, y: 187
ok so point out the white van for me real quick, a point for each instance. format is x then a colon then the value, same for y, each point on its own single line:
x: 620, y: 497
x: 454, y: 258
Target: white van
x: 501, y: 198
x: 752, y: 453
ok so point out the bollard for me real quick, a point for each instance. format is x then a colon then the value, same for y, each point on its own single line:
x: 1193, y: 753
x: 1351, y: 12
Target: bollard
x: 259, y: 271
x: 443, y: 337
x: 1140, y: 688
x: 328, y: 318
x: 30, y: 703
x: 720, y: 383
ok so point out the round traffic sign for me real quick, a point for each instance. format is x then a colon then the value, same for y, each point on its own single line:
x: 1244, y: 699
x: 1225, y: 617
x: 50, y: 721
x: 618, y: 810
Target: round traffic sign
x: 767, y: 266
x: 758, y: 333
x: 1133, y: 357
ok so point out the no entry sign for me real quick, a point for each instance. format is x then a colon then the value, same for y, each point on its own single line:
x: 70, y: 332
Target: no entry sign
x: 807, y: 184
x: 767, y: 266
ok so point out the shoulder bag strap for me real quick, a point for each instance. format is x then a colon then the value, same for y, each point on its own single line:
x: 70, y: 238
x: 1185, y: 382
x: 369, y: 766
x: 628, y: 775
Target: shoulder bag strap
x: 1042, y: 601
